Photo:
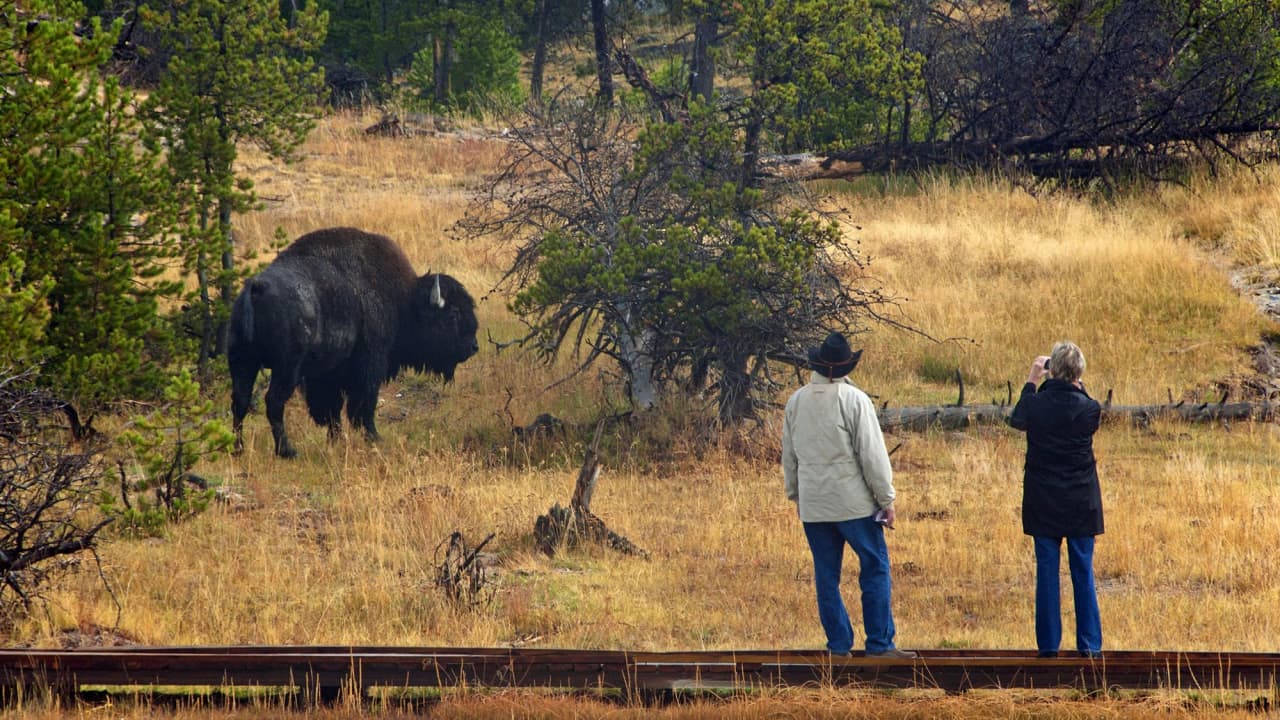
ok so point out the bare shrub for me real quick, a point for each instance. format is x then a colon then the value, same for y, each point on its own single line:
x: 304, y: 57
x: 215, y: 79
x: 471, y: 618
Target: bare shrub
x: 48, y: 489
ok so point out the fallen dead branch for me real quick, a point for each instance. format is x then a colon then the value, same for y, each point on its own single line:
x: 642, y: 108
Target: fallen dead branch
x: 462, y: 571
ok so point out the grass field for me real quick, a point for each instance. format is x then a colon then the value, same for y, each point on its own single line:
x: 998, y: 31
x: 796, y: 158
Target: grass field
x: 340, y: 545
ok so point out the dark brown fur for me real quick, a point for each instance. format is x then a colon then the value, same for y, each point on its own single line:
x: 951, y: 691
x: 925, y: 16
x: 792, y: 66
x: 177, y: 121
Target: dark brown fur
x: 340, y: 312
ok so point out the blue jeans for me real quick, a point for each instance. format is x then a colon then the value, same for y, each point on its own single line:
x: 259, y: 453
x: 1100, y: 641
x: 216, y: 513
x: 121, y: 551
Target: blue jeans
x: 866, y: 537
x: 1048, y: 603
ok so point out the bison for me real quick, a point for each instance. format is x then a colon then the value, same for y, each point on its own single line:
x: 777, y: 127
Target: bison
x: 341, y: 311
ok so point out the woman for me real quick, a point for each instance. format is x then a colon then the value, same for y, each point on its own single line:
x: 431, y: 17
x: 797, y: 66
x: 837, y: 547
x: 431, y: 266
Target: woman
x: 1061, y: 497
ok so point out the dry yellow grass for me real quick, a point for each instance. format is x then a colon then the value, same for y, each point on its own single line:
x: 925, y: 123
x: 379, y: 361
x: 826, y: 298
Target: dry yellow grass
x: 1001, y: 275
x: 339, y: 545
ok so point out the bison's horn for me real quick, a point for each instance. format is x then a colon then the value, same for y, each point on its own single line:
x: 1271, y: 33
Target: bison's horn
x: 436, y: 299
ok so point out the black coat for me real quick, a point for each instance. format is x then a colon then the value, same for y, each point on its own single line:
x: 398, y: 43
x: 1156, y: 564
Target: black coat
x: 1061, y: 496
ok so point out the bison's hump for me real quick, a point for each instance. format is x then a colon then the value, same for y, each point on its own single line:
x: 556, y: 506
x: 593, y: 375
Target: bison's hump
x: 365, y: 261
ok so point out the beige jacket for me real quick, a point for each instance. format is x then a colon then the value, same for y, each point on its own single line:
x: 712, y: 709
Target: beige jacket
x: 834, y: 463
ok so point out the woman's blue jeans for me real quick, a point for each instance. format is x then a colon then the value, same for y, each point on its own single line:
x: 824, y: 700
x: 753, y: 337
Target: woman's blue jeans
x: 1048, y: 602
x: 866, y: 537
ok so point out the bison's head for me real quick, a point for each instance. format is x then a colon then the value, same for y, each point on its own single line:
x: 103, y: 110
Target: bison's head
x: 440, y: 326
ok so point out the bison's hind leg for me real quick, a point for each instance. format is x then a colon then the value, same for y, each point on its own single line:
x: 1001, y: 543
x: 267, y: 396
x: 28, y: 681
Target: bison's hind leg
x: 283, y: 382
x: 324, y: 402
x: 244, y: 374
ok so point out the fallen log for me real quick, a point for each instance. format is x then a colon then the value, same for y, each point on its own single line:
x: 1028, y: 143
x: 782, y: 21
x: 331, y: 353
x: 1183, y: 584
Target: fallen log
x: 1198, y: 413
x: 392, y: 125
x: 959, y: 417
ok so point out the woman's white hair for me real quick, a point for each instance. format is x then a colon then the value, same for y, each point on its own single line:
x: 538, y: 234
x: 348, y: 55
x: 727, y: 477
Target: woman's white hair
x: 1066, y: 362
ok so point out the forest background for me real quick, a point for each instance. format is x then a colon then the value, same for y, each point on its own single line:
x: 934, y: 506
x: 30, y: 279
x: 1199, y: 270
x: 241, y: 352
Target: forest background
x: 1009, y: 174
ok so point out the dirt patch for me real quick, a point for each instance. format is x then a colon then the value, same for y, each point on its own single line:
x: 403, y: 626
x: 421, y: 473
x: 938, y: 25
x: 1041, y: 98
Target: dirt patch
x: 94, y: 636
x: 1261, y: 285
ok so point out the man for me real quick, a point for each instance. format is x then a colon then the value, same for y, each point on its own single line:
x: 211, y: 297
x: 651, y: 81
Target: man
x: 1061, y: 496
x: 835, y: 468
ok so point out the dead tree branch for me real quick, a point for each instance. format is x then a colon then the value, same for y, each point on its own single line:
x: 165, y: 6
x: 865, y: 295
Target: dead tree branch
x: 462, y: 571
x: 48, y: 493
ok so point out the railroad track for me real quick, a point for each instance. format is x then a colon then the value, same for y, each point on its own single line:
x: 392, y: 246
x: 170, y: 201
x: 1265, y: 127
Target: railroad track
x: 325, y: 672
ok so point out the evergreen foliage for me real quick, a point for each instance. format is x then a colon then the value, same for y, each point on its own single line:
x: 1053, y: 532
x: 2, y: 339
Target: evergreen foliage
x: 483, y: 72
x: 380, y: 38
x: 24, y: 310
x: 167, y: 444
x: 83, y: 213
x: 239, y: 73
x: 451, y: 54
x: 823, y: 73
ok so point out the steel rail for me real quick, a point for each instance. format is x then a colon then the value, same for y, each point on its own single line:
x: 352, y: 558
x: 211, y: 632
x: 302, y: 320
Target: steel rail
x: 329, y: 670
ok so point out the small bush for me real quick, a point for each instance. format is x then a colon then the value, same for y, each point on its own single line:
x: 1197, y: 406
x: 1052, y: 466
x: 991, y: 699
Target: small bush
x: 938, y: 370
x: 166, y: 445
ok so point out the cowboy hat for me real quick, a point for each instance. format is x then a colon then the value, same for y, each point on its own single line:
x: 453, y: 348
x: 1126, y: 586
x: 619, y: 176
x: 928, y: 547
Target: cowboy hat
x: 834, y: 358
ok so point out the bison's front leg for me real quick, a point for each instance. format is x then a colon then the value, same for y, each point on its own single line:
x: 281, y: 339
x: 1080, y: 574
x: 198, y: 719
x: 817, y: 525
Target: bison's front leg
x: 362, y: 397
x: 278, y: 393
x: 324, y: 402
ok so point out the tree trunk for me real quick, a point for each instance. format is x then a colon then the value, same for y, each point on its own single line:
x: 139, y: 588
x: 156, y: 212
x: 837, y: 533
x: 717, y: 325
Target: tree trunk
x: 388, y: 68
x: 751, y: 151
x: 702, y: 75
x: 439, y: 70
x: 637, y: 361
x: 203, y: 282
x: 206, y: 316
x: 604, y: 69
x: 576, y: 524
x: 904, y: 135
x: 539, y: 54
x: 227, y: 285
x: 735, y: 404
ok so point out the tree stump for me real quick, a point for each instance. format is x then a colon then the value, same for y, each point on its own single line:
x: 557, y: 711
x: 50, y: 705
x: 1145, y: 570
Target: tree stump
x: 577, y: 525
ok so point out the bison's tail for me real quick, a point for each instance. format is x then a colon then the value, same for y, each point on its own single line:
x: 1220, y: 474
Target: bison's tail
x: 242, y: 313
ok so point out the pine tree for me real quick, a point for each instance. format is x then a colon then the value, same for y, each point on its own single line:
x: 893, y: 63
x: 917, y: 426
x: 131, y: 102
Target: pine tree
x: 476, y: 65
x: 83, y: 211
x: 822, y: 73
x: 238, y: 73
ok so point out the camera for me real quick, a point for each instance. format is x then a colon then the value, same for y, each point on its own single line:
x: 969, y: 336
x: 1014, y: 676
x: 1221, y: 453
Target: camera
x: 1045, y: 365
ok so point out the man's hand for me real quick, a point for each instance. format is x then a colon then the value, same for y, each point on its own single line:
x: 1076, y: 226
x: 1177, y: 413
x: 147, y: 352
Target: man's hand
x: 888, y: 515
